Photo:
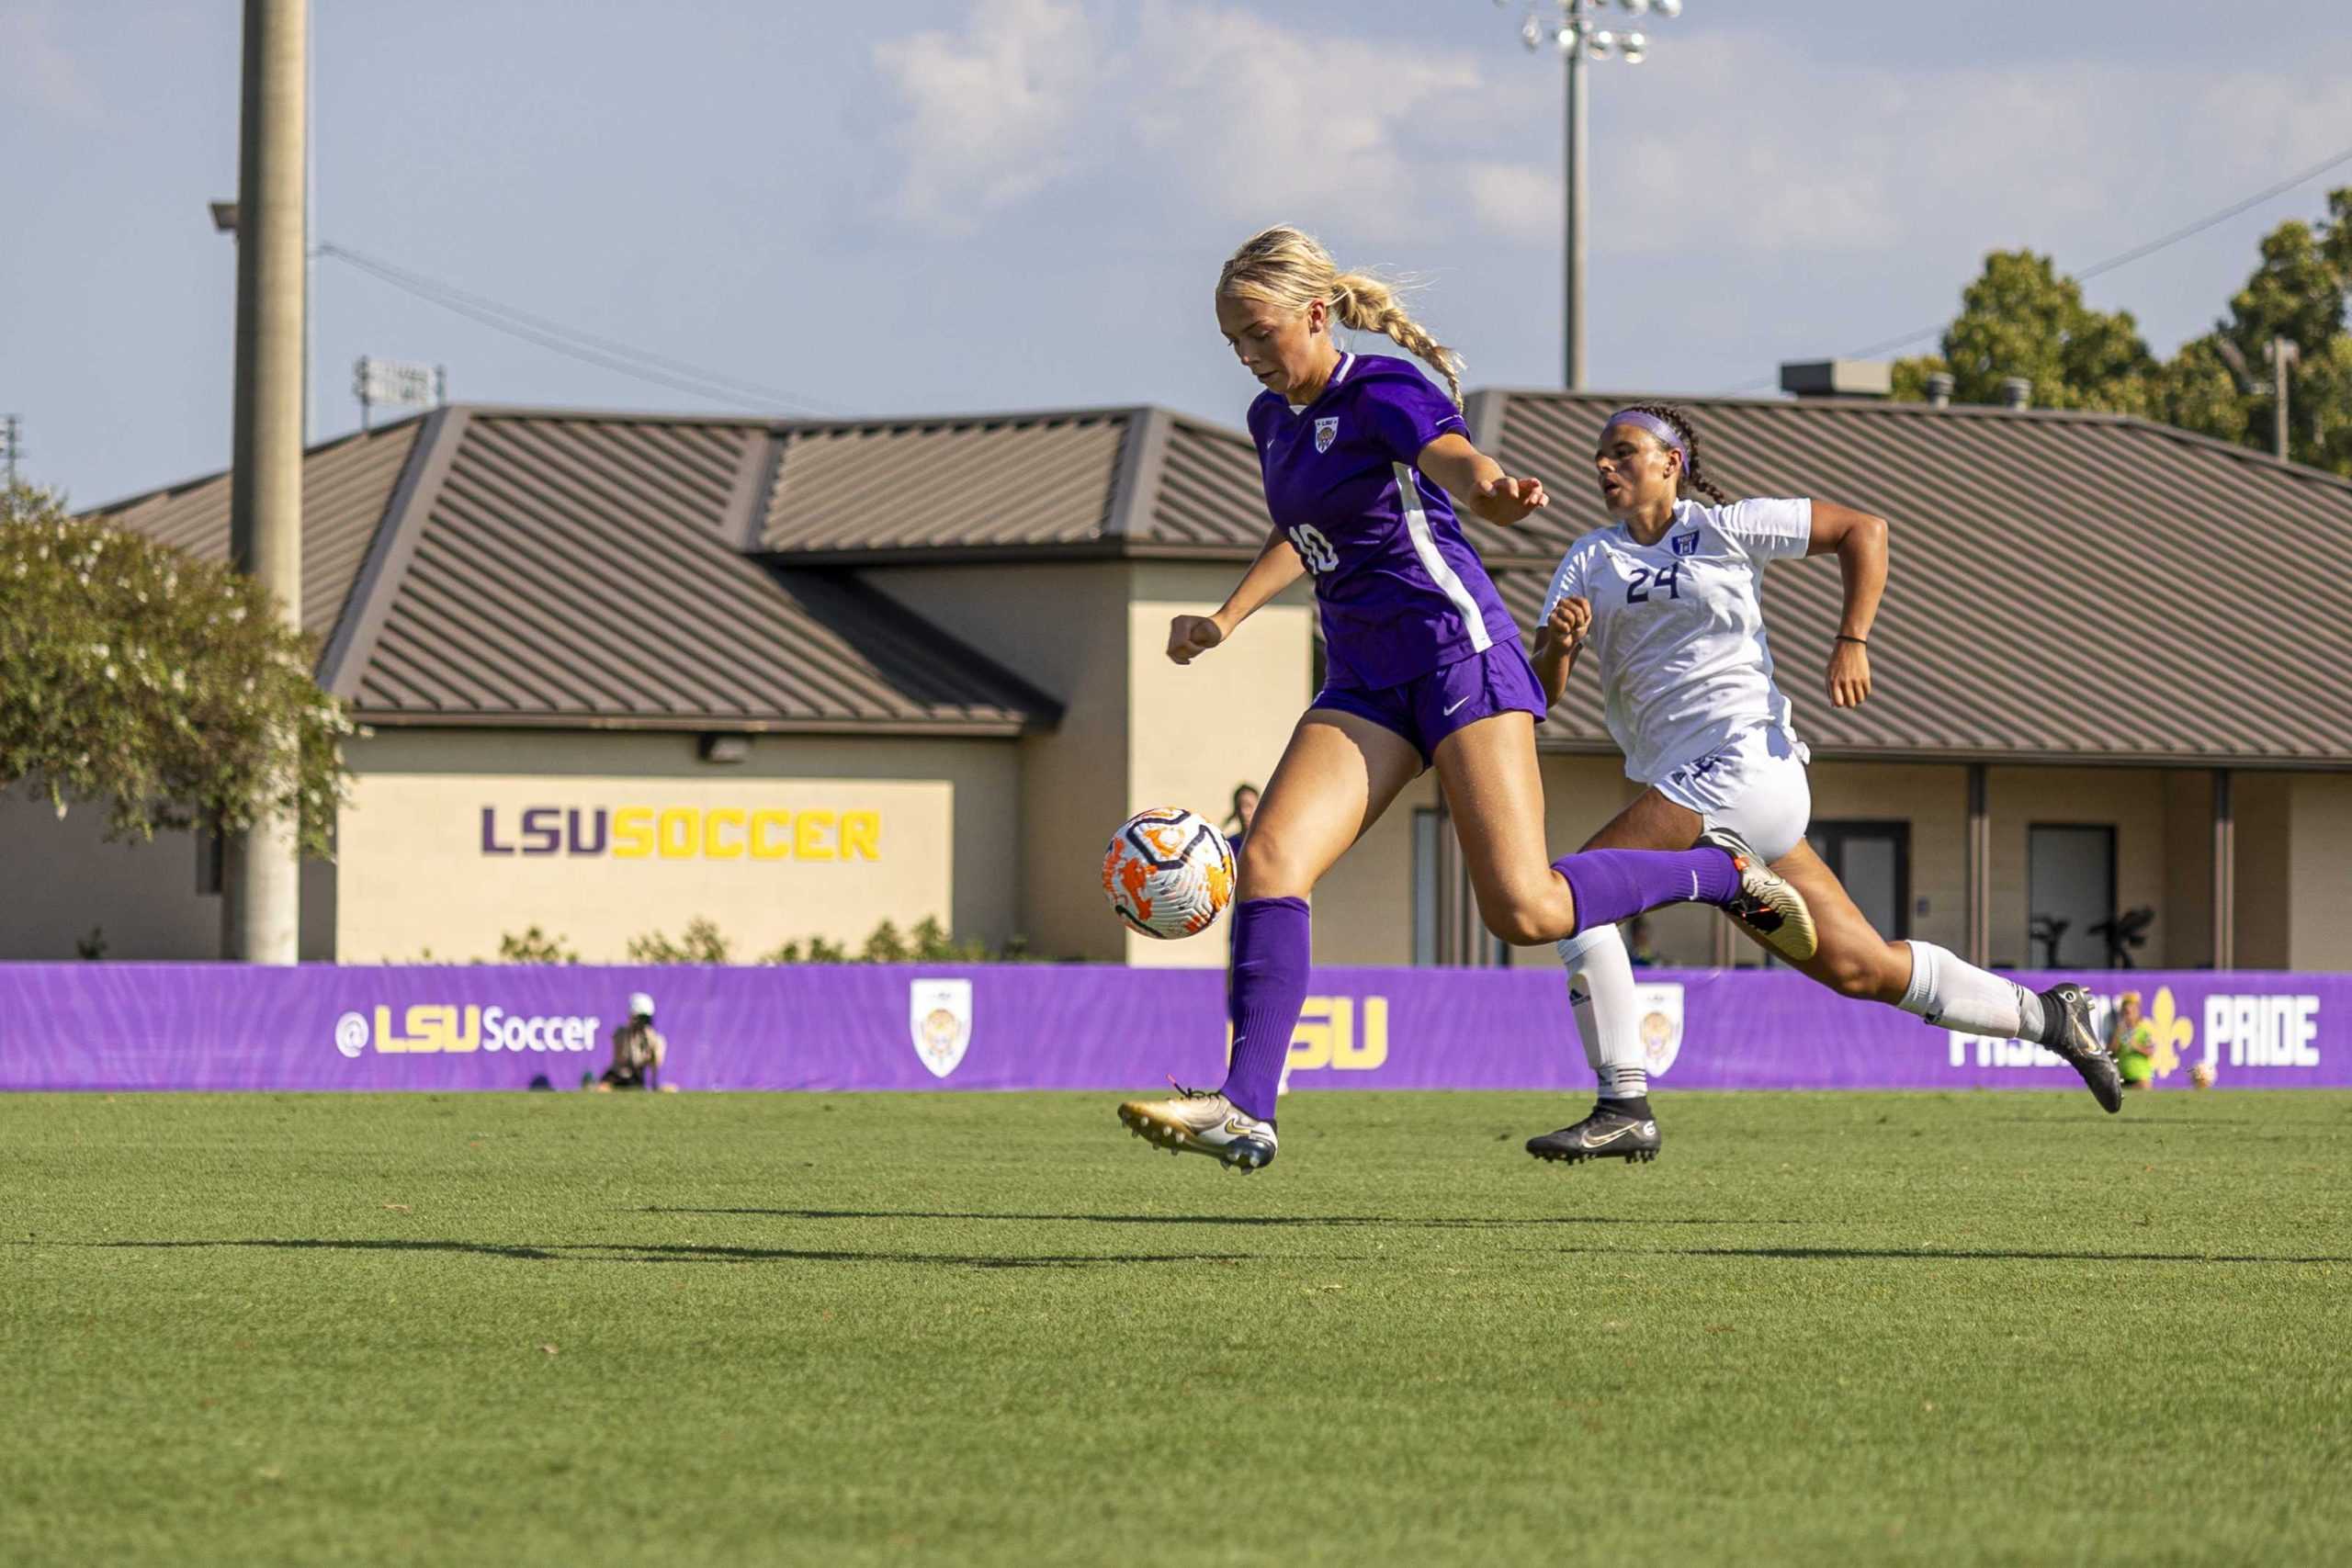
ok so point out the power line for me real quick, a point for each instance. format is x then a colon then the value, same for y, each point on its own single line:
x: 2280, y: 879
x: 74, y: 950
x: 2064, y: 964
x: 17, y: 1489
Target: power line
x: 2122, y: 258
x: 606, y: 353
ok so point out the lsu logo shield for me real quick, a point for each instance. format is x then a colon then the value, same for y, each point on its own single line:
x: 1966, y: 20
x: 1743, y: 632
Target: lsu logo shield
x: 939, y: 1017
x: 1326, y: 431
x: 1687, y: 545
x: 1661, y: 1008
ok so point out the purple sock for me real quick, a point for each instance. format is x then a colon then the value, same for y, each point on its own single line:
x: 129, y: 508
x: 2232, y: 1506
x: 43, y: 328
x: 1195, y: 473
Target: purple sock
x: 1263, y: 994
x: 1611, y: 885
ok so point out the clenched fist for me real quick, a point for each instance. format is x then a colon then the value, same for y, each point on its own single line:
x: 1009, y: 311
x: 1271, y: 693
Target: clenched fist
x: 1188, y: 637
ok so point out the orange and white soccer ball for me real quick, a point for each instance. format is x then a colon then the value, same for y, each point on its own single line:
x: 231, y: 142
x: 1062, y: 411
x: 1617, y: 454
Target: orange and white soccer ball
x: 1168, y: 872
x: 2202, y: 1074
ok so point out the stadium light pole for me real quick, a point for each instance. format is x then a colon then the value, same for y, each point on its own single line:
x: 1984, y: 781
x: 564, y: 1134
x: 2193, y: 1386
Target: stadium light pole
x: 1573, y: 27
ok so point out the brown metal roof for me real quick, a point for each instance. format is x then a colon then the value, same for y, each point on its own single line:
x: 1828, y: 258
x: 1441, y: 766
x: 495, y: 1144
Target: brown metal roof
x: 540, y: 568
x: 2064, y: 585
x: 1139, y: 481
x: 945, y: 485
x: 346, y: 488
x: 569, y: 570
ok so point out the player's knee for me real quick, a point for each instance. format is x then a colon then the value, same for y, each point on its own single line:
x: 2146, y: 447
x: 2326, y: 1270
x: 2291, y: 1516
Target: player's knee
x: 1520, y: 919
x: 1864, y: 977
x: 1269, y: 869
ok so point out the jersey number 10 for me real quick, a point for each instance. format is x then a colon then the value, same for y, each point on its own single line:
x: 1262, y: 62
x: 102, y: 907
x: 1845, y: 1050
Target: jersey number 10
x: 1312, y: 548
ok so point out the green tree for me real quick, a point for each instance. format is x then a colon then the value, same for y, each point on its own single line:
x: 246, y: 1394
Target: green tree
x: 135, y: 677
x: 2298, y: 290
x: 2023, y: 317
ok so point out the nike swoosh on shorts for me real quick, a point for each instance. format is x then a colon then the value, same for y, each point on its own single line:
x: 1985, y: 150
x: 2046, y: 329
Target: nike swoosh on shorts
x: 1449, y: 713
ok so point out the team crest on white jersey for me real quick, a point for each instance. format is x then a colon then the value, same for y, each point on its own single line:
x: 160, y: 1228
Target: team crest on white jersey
x: 939, y: 1016
x: 1326, y: 431
x: 1687, y: 545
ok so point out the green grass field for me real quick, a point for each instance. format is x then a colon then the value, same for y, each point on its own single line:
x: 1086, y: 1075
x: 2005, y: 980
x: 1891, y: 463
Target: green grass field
x: 963, y: 1329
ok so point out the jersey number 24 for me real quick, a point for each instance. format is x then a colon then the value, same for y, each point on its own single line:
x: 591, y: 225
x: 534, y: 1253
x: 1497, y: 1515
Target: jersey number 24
x: 1668, y: 578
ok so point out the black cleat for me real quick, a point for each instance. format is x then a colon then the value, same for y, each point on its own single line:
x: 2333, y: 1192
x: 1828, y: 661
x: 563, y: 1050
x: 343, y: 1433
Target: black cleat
x: 2067, y: 1015
x: 1604, y: 1135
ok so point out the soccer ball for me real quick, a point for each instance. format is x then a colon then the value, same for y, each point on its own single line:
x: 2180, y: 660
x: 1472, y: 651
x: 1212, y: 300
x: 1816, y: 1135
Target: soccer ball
x: 1168, y: 872
x: 2202, y: 1074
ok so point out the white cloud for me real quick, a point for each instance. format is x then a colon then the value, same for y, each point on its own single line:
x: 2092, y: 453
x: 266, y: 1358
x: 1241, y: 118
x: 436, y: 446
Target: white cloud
x: 34, y: 64
x: 994, y: 114
x: 1733, y: 140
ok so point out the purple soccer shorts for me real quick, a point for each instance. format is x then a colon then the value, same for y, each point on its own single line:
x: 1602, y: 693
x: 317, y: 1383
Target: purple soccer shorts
x: 1427, y: 709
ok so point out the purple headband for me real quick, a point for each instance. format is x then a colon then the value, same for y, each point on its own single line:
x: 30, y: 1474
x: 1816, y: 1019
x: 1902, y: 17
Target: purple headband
x: 1652, y: 423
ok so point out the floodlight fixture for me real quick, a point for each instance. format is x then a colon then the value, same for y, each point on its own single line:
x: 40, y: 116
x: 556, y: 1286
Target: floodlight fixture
x: 1573, y: 27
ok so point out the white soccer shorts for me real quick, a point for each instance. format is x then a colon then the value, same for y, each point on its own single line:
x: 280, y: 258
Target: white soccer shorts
x: 1755, y: 786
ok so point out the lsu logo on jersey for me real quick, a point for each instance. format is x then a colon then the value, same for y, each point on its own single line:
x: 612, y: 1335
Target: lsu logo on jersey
x: 1326, y: 431
x: 1687, y: 545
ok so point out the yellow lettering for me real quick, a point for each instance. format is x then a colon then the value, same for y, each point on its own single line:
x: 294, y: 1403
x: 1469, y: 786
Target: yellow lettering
x: 805, y: 842
x: 1323, y: 1022
x: 632, y: 832
x: 680, y: 833
x: 761, y: 823
x: 429, y: 1027
x: 387, y: 1038
x: 1350, y: 1057
x: 861, y: 835
x: 723, y: 816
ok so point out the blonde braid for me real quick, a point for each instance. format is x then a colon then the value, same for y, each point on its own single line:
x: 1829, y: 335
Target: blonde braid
x: 1287, y: 266
x: 1369, y: 305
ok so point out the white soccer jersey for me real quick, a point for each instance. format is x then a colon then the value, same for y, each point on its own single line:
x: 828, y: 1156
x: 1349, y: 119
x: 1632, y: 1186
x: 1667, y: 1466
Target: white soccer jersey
x: 1677, y: 631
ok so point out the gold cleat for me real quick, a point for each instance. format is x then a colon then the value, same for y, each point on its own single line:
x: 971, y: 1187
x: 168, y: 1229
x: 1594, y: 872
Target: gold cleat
x: 1202, y: 1122
x: 1766, y: 903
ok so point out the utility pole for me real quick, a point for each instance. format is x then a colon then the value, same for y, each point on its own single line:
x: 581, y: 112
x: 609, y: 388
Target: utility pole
x: 11, y: 435
x: 261, y: 911
x: 2282, y: 355
x: 1580, y: 215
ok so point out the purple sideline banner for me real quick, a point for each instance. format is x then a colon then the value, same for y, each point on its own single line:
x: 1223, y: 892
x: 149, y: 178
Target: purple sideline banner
x: 217, y: 1026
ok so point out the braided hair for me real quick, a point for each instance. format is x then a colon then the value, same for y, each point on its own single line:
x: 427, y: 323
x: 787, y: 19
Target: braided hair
x: 1288, y: 267
x: 1692, y: 478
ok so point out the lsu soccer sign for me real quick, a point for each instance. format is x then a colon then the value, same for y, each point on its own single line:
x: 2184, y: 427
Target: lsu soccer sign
x: 445, y: 865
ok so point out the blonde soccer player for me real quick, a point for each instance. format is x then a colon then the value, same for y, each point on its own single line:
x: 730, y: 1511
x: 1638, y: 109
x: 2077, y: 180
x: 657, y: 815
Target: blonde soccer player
x: 1665, y: 603
x: 1364, y: 461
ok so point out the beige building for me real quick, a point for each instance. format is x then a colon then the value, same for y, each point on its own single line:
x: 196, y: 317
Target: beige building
x: 797, y: 679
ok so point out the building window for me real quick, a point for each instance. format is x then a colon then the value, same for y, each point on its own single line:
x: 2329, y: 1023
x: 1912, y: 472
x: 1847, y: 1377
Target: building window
x: 210, y: 852
x: 1874, y: 860
x: 2070, y: 895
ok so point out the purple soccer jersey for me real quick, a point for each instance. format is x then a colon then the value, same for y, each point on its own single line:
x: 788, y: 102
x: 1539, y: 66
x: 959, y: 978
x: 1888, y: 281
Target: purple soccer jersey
x: 1399, y: 589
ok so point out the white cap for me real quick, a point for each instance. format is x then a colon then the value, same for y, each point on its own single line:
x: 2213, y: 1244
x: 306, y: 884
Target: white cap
x: 639, y: 1005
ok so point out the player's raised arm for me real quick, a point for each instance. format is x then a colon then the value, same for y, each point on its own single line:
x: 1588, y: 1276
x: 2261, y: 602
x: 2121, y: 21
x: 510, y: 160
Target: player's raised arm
x: 1477, y: 483
x: 1276, y: 568
x: 1859, y: 540
x: 1557, y: 642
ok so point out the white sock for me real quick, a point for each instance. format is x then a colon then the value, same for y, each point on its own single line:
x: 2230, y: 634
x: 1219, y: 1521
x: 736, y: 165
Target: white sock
x: 1949, y: 991
x: 1600, y: 988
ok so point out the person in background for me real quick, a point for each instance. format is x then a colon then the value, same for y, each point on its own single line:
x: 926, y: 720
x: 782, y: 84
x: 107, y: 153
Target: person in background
x: 638, y: 1050
x: 1639, y: 947
x: 2132, y: 1041
x: 1245, y: 806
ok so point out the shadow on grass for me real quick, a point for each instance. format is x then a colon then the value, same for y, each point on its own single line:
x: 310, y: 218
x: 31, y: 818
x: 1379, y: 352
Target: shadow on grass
x: 689, y: 1252
x: 1939, y: 1254
x: 1335, y: 1221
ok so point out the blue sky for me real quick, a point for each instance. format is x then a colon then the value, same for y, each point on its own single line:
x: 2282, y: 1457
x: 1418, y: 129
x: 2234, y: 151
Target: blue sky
x: 943, y: 205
